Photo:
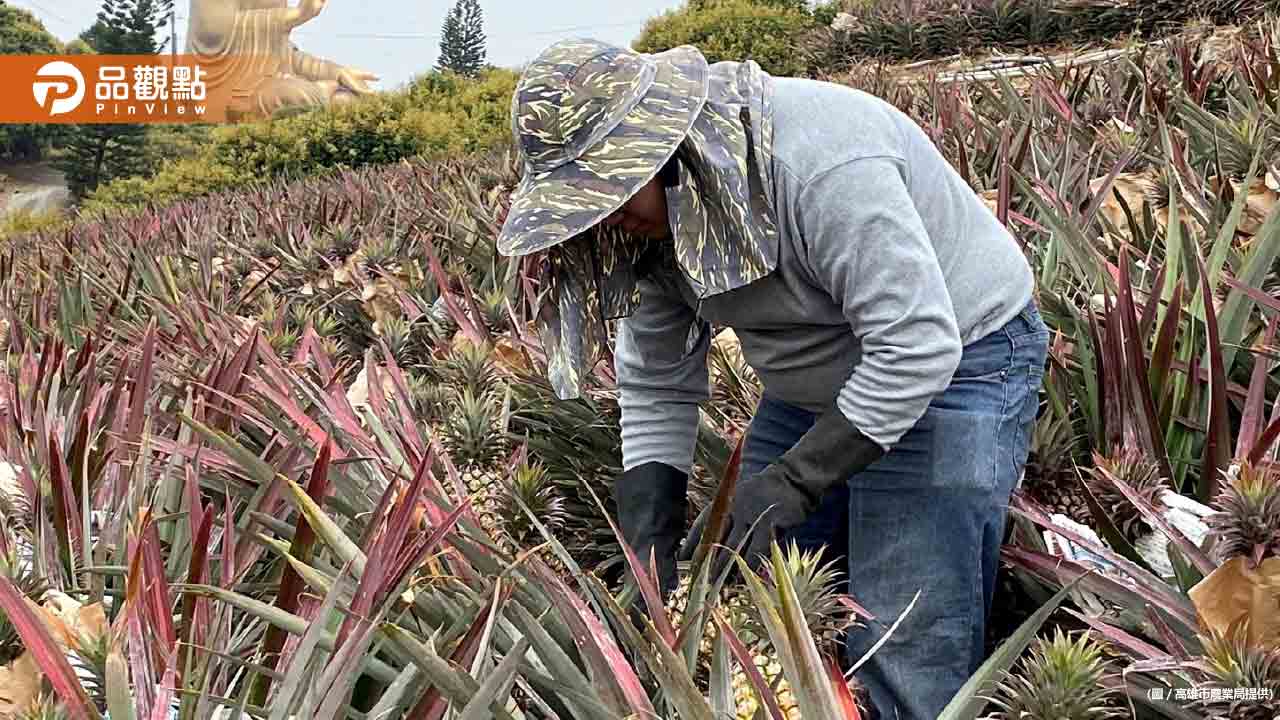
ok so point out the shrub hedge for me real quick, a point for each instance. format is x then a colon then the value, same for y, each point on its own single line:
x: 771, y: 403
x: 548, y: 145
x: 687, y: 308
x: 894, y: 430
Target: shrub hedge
x: 766, y: 31
x: 435, y: 115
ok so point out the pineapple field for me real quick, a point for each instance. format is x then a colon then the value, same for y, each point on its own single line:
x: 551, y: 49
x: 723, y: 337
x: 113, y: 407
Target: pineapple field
x: 288, y: 451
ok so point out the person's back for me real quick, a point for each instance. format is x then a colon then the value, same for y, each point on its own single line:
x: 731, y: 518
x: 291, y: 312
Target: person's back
x: 859, y: 254
x: 820, y: 125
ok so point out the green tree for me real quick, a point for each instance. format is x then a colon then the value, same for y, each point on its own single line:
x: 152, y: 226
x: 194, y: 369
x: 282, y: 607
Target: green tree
x: 98, y: 35
x: 462, y: 39
x: 21, y: 33
x: 101, y: 152
x: 767, y: 31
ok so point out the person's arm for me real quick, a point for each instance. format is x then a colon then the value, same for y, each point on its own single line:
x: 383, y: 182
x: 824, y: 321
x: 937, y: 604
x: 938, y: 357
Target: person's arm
x: 660, y: 384
x: 867, y: 246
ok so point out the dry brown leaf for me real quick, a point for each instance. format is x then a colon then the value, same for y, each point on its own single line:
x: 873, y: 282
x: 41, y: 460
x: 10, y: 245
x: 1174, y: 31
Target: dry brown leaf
x: 70, y: 622
x: 19, y: 686
x: 508, y: 355
x: 1133, y: 188
x: 1262, y: 200
x: 1234, y: 590
x: 358, y: 393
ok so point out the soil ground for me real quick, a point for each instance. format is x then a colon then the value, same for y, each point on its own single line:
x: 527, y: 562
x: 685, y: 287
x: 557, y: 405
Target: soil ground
x: 32, y: 186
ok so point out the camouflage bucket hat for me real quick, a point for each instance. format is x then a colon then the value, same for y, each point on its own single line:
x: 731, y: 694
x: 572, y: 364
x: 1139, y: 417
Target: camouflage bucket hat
x: 593, y: 123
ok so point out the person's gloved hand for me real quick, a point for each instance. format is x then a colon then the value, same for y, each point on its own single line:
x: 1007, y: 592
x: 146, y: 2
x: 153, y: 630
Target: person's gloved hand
x: 785, y: 493
x: 652, y: 504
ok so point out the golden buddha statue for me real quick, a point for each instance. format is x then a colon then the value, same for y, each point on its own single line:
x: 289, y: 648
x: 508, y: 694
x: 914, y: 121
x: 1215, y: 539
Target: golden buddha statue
x: 245, y: 48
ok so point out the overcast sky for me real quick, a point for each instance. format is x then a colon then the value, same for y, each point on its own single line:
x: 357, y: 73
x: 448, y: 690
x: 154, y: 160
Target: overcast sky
x: 400, y: 38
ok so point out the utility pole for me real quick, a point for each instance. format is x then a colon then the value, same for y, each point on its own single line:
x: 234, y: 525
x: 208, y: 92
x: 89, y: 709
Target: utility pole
x: 173, y: 35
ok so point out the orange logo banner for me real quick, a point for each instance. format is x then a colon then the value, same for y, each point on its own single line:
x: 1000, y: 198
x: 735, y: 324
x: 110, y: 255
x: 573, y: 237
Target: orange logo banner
x: 132, y: 89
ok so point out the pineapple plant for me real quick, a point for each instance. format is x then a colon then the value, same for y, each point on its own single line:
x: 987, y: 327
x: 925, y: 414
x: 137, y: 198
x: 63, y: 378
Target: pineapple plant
x: 493, y: 306
x: 818, y: 586
x: 1247, y: 517
x: 1059, y: 678
x: 531, y: 484
x: 1230, y: 662
x: 471, y: 366
x: 1049, y: 476
x: 1133, y: 467
x: 429, y: 396
x: 475, y: 443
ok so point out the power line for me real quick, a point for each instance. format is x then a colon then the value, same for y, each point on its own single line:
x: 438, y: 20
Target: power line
x: 390, y: 36
x: 48, y: 12
x: 436, y: 36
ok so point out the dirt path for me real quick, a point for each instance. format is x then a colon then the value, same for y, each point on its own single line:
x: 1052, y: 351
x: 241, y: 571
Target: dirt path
x: 33, y: 187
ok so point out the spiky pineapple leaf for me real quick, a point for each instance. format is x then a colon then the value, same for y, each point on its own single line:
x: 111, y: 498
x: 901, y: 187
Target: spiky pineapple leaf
x: 967, y: 703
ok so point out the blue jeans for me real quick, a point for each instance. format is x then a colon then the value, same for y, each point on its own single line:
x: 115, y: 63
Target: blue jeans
x: 929, y: 516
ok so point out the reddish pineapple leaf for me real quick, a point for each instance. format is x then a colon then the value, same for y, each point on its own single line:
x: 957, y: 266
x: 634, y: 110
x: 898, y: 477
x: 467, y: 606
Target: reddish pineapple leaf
x: 433, y: 703
x: 1060, y: 571
x: 1136, y: 365
x: 48, y: 656
x: 648, y: 588
x: 1217, y: 451
x: 345, y: 416
x: 1253, y: 293
x: 1157, y: 520
x: 1100, y: 376
x: 142, y: 384
x: 1002, y: 181
x: 193, y: 627
x: 65, y: 515
x: 469, y: 296
x: 411, y: 432
x: 848, y: 706
x: 377, y: 392
x: 295, y: 414
x: 620, y: 686
x: 1133, y: 644
x: 1086, y: 220
x: 78, y: 457
x: 391, y: 555
x: 1265, y: 441
x: 476, y: 334
x: 304, y: 536
x: 157, y: 594
x: 1149, y: 313
x: 745, y: 659
x: 1171, y: 641
x: 1139, y: 571
x: 1162, y: 356
x: 1251, y: 420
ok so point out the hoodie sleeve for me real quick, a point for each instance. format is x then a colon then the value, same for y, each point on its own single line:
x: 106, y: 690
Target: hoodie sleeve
x: 867, y: 246
x: 661, y: 380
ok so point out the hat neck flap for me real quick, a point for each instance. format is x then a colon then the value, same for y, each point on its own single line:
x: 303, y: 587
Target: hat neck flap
x: 723, y: 223
x: 722, y: 217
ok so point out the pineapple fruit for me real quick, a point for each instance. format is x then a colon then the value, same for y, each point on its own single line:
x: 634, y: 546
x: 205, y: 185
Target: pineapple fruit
x: 1059, y: 678
x: 474, y: 443
x: 1048, y: 478
x: 818, y: 587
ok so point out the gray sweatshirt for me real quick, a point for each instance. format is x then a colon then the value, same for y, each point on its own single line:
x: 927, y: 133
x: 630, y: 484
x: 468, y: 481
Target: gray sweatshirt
x: 888, y: 265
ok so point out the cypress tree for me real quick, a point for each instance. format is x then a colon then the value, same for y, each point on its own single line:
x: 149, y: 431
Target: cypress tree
x: 98, y: 153
x: 462, y: 39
